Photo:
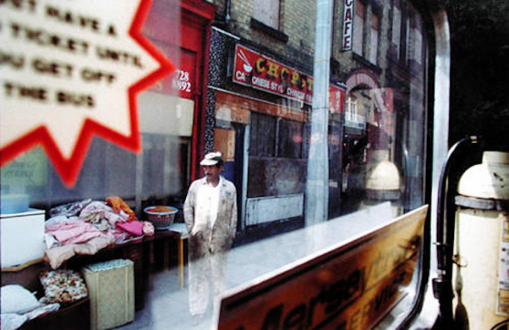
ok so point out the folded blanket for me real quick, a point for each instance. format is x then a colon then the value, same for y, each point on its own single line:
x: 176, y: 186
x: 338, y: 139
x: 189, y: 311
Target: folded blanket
x: 58, y: 255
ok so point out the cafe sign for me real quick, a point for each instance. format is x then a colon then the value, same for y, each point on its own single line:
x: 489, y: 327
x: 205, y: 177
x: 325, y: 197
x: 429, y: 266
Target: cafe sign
x: 70, y: 71
x: 263, y: 73
x: 348, y: 24
x: 350, y: 286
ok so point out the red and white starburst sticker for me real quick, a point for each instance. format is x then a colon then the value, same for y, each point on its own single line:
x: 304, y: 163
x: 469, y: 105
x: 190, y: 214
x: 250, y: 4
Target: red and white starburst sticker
x: 70, y: 70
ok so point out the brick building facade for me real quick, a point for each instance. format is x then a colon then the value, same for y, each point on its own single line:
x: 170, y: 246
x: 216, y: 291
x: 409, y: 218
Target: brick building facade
x: 265, y: 134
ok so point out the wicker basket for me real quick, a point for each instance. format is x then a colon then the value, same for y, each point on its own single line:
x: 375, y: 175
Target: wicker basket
x: 161, y: 216
x: 111, y: 290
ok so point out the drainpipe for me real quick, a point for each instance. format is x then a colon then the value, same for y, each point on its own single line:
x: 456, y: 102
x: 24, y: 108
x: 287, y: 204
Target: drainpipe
x: 227, y: 12
x: 317, y: 180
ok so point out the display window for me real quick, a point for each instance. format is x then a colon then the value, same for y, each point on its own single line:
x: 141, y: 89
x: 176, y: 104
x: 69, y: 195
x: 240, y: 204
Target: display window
x: 320, y: 151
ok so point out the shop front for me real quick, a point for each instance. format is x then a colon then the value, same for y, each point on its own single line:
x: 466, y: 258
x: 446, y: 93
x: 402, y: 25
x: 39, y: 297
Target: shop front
x: 164, y: 124
x: 120, y: 130
x: 261, y: 110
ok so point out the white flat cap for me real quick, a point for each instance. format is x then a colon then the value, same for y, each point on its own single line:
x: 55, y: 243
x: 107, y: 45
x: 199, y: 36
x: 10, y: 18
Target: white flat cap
x: 212, y: 158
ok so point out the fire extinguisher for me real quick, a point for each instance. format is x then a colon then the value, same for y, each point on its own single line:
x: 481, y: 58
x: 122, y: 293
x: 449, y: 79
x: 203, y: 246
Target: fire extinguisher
x: 473, y: 242
x: 481, y: 249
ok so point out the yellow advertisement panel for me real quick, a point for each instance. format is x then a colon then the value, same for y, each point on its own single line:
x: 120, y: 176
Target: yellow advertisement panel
x: 347, y: 287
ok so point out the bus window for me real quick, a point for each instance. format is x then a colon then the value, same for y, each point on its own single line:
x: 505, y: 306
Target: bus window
x: 318, y: 154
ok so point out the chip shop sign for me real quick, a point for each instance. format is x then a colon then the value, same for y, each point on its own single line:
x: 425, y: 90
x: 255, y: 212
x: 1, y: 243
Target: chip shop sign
x: 351, y: 286
x: 260, y: 72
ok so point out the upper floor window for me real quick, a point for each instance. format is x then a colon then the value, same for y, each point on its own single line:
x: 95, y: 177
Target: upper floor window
x: 374, y: 37
x: 267, y: 12
x: 406, y: 35
x: 415, y: 45
x: 396, y: 30
x: 358, y: 27
x: 418, y: 46
x: 408, y: 41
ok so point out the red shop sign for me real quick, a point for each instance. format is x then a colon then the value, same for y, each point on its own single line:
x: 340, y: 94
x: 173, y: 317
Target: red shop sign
x: 336, y: 99
x: 258, y: 71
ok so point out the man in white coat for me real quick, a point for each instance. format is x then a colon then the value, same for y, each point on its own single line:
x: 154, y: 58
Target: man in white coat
x: 210, y: 214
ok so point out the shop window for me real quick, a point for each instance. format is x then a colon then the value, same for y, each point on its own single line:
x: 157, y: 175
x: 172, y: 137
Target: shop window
x: 290, y: 139
x: 276, y: 164
x: 276, y: 137
x: 263, y: 135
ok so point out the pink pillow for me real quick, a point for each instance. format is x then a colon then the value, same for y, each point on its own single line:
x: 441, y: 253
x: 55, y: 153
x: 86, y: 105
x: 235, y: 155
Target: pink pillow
x: 133, y: 227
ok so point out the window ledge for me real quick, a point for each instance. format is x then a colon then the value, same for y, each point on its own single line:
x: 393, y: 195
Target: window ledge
x: 365, y: 63
x: 256, y: 24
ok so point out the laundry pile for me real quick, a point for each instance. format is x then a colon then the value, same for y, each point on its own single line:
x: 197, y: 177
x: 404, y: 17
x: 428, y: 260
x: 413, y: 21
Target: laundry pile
x: 88, y: 226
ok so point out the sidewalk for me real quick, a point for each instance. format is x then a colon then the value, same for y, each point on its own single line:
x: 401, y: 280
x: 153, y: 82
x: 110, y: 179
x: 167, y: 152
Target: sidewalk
x: 166, y: 305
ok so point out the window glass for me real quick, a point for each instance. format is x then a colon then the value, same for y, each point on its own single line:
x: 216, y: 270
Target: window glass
x: 271, y: 173
x: 396, y: 31
x: 263, y: 135
x: 267, y: 11
x: 373, y: 51
x: 408, y: 35
x: 250, y: 92
x: 290, y: 139
x: 417, y: 41
x: 358, y: 30
x: 418, y: 46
